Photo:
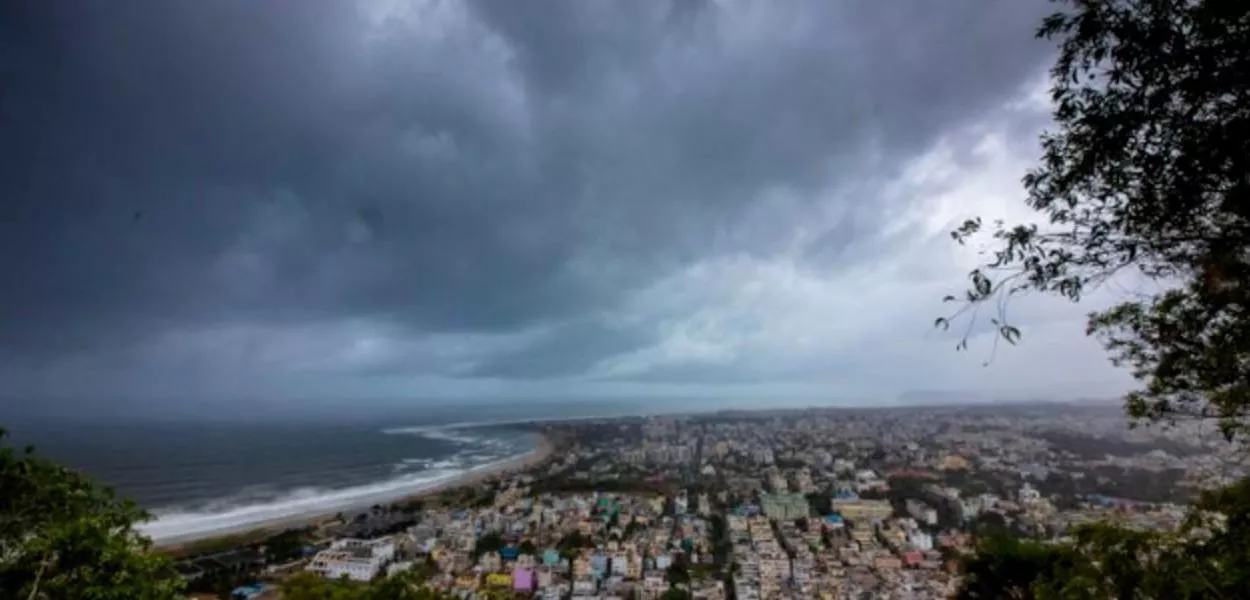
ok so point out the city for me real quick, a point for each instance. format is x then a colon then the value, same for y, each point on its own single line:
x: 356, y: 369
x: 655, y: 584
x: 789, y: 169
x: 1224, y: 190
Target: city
x: 819, y: 503
x: 635, y: 299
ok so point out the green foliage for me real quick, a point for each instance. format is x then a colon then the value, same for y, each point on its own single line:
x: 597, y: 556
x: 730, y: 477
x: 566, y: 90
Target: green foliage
x: 675, y: 594
x: 1207, y: 557
x: 722, y: 546
x: 223, y: 543
x: 678, y: 573
x: 1145, y: 170
x: 820, y: 502
x: 409, y: 585
x: 287, y: 545
x: 1004, y: 567
x: 310, y: 586
x: 571, y: 543
x: 490, y: 542
x: 64, y: 536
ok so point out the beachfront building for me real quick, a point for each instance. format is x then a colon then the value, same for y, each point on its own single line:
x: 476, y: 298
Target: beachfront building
x: 358, y: 560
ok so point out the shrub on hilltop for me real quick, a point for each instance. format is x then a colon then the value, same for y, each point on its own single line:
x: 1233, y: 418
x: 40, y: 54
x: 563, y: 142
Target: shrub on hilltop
x: 64, y: 536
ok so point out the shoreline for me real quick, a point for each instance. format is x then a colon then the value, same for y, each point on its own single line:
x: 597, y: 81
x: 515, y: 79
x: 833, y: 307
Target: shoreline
x: 543, y: 449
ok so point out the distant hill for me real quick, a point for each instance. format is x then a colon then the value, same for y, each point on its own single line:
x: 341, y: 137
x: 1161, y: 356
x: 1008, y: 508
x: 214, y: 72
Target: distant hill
x: 965, y: 397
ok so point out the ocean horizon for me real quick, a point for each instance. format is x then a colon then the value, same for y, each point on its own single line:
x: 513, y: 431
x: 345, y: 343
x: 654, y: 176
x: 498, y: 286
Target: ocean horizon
x: 200, y: 475
x: 209, y: 474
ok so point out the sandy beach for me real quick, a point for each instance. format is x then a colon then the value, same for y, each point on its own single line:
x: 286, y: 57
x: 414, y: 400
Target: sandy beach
x: 541, y: 452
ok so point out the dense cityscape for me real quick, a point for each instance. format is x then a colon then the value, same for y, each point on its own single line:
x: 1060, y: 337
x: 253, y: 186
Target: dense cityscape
x: 329, y: 300
x: 814, y: 503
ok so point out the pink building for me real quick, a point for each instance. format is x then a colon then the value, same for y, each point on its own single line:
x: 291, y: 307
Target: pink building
x: 523, y: 580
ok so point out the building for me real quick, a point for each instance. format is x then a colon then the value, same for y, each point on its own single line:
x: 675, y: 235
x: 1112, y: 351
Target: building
x: 834, y: 521
x: 763, y: 456
x: 777, y: 483
x: 681, y: 504
x: 1029, y: 495
x: 920, y: 540
x: 499, y: 580
x: 867, y: 510
x: 921, y: 511
x: 786, y: 507
x: 523, y: 580
x: 803, y: 482
x: 358, y: 560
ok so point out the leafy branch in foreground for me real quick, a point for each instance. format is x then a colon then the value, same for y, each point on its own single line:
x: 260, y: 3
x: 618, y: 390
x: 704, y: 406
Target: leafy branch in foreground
x: 63, y: 536
x: 1146, y: 170
x: 1206, y: 558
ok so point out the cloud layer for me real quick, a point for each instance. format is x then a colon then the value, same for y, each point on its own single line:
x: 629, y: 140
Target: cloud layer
x: 432, y: 197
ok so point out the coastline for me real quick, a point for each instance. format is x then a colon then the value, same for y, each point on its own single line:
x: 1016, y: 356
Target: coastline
x: 543, y: 449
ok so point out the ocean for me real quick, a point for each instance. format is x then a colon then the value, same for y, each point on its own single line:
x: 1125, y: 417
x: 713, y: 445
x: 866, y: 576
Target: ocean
x: 225, y: 472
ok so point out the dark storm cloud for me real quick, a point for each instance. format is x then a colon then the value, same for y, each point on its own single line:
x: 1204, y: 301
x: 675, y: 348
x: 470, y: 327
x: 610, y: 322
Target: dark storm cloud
x: 177, y: 164
x: 571, y: 348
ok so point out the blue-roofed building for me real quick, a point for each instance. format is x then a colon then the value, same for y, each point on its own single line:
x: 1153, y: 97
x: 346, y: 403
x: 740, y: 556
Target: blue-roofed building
x: 509, y: 553
x: 663, y: 561
x: 551, y: 558
x: 598, y: 563
x: 834, y: 520
x: 247, y: 592
x: 747, y: 510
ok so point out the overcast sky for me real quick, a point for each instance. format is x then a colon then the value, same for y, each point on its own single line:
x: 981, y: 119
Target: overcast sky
x: 336, y: 199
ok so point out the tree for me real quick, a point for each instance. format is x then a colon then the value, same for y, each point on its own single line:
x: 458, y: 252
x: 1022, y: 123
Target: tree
x: 1146, y: 171
x: 64, y: 536
x: 1004, y: 567
x: 675, y: 594
x: 287, y: 545
x: 573, y: 542
x: 678, y: 572
x: 489, y: 542
x: 310, y: 586
x: 1207, y: 557
x: 407, y: 585
x: 820, y: 502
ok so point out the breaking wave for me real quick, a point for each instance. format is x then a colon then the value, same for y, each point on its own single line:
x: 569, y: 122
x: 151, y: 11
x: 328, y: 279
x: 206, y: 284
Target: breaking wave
x: 442, y: 433
x: 247, y: 511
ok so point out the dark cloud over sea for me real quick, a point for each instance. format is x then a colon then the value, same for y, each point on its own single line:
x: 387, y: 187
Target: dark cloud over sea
x: 407, y: 198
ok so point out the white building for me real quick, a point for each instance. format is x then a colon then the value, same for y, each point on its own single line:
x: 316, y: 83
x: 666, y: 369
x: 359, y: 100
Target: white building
x: 681, y: 503
x: 1029, y: 495
x: 764, y: 456
x: 358, y: 560
x: 922, y: 512
x: 920, y: 540
x: 865, y: 475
